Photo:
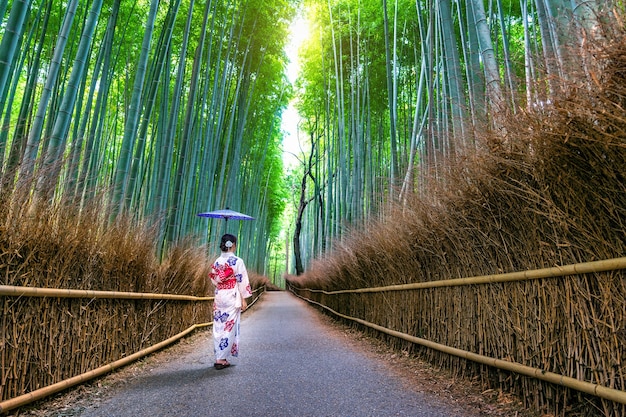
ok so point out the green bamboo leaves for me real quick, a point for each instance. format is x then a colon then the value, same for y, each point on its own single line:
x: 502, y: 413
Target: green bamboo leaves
x: 157, y: 110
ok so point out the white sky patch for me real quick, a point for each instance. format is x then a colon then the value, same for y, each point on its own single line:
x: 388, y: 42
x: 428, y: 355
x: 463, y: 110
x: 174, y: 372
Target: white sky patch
x: 292, y: 137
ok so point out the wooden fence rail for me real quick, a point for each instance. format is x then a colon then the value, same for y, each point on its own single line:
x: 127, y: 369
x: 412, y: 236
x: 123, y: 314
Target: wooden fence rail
x: 554, y: 272
x: 10, y: 290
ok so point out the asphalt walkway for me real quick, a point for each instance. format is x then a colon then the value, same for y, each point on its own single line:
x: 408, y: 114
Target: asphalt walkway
x: 291, y: 364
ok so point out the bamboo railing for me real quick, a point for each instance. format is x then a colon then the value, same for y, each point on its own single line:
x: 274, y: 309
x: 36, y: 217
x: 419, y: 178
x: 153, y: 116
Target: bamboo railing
x: 554, y: 272
x: 352, y: 303
x: 10, y: 290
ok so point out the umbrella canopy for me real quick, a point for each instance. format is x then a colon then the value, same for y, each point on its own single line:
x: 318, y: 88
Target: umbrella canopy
x: 226, y: 214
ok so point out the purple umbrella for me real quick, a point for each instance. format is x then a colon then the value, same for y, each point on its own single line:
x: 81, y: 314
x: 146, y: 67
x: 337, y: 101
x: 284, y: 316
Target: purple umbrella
x: 226, y: 214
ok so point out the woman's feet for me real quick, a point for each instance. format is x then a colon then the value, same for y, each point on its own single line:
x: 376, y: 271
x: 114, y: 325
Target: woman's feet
x: 221, y: 364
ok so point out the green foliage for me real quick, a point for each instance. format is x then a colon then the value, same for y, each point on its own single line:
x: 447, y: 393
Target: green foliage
x: 190, y: 150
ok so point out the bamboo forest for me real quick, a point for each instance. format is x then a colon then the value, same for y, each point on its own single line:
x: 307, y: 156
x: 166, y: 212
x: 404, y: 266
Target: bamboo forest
x: 361, y: 143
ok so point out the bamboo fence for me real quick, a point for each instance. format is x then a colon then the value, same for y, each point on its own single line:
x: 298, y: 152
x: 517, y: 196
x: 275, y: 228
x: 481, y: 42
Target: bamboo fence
x: 100, y: 330
x: 555, y: 336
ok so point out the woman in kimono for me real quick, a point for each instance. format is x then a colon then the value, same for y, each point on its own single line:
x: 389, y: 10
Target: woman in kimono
x: 232, y: 287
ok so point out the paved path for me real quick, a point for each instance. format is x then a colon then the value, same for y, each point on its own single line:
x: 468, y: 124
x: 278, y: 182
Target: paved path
x: 291, y: 364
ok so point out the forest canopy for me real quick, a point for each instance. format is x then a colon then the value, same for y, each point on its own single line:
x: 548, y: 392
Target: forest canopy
x: 162, y: 110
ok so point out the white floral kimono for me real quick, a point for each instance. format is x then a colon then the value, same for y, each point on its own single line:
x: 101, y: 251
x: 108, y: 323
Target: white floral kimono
x: 230, y: 278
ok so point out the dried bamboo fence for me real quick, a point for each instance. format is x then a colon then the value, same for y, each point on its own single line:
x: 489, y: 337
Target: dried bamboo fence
x: 564, y: 327
x: 99, y: 331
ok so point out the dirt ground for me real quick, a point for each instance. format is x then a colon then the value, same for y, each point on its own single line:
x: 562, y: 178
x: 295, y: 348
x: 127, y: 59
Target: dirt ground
x: 465, y: 394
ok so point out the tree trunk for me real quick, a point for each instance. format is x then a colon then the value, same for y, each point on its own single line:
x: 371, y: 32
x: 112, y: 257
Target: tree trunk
x: 120, y: 180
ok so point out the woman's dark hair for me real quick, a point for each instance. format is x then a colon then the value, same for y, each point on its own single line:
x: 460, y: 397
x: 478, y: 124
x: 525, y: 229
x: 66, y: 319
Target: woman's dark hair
x: 227, y: 242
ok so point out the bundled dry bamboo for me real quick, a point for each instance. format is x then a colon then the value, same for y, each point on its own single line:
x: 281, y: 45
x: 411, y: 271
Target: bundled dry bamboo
x: 40, y: 334
x: 56, y: 247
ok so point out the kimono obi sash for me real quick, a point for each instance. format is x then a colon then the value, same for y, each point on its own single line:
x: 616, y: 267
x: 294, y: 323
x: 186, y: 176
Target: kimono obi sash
x: 229, y: 284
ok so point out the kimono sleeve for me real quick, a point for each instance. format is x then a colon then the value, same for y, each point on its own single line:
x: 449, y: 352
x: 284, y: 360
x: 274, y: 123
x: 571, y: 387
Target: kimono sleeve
x: 213, y: 273
x: 243, y: 282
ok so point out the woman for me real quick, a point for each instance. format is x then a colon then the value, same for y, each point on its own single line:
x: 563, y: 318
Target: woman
x: 232, y: 287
